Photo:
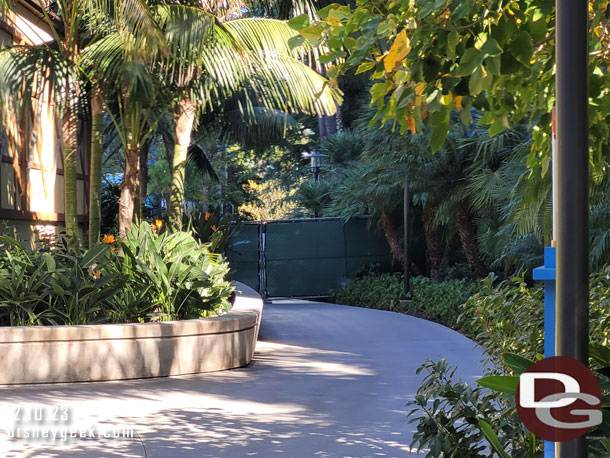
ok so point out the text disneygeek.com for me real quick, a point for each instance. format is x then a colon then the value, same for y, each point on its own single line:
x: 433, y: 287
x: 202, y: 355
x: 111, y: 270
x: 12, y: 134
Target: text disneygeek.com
x: 46, y: 423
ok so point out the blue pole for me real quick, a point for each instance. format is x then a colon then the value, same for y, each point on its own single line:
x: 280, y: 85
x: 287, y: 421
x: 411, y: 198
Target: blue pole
x: 547, y: 274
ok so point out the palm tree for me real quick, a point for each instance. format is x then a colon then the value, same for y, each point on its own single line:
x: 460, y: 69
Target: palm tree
x: 53, y: 71
x: 275, y: 76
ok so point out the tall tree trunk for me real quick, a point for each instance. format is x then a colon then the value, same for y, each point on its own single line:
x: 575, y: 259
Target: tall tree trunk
x: 434, y: 243
x: 69, y: 129
x: 468, y: 236
x: 184, y: 119
x: 130, y: 179
x: 392, y: 236
x: 446, y: 255
x: 143, y: 175
x: 95, y: 172
x: 322, y: 127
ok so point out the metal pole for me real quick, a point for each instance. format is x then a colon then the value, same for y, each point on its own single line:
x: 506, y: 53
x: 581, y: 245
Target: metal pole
x: 405, y: 263
x: 554, y: 173
x: 572, y: 192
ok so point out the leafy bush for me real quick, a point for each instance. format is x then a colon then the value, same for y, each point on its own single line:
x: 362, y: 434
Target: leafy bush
x: 509, y: 317
x: 166, y: 276
x: 440, y: 301
x: 54, y: 288
x: 174, y: 274
x: 436, y: 301
x: 449, y: 417
x: 378, y: 291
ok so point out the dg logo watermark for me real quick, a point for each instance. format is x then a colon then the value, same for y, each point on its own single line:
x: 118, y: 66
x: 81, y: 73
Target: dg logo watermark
x: 559, y: 399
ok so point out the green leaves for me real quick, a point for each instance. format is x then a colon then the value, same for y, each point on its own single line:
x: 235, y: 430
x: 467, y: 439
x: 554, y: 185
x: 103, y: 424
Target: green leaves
x: 517, y: 363
x: 479, y: 82
x: 438, y: 136
x: 501, y: 383
x: 469, y: 62
x: 493, y: 439
x: 522, y: 48
x: 378, y: 91
x: 491, y: 48
x: 299, y: 22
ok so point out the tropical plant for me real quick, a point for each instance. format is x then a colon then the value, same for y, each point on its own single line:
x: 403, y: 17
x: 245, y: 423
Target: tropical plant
x: 211, y: 228
x: 176, y: 275
x: 372, y: 290
x: 56, y: 287
x: 54, y: 73
x: 440, y: 301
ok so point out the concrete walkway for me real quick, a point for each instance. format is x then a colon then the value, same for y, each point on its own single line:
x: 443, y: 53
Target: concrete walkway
x: 327, y: 381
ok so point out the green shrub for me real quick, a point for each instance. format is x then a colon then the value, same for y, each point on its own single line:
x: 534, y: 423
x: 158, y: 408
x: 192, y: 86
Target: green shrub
x: 447, y: 412
x: 147, y: 276
x: 372, y: 290
x: 176, y: 276
x: 509, y: 317
x: 508, y: 320
x: 440, y: 301
x: 56, y: 287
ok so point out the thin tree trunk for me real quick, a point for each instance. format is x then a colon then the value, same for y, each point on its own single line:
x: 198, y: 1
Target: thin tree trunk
x: 446, y: 255
x: 130, y: 180
x: 69, y: 128
x: 95, y: 172
x: 331, y: 124
x: 69, y: 137
x: 322, y: 127
x: 468, y: 236
x: 339, y: 124
x: 143, y: 175
x: 392, y: 236
x: 434, y: 243
x: 184, y: 119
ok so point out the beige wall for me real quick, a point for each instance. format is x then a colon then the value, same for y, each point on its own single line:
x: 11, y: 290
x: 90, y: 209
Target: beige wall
x: 39, y: 202
x: 43, y: 354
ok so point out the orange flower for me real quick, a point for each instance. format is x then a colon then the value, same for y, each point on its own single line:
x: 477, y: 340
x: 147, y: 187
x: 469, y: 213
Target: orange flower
x: 93, y: 272
x: 158, y: 224
x: 108, y: 238
x: 207, y: 215
x: 214, y: 227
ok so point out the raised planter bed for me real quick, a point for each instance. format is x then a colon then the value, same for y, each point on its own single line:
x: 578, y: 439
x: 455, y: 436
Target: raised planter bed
x: 49, y: 354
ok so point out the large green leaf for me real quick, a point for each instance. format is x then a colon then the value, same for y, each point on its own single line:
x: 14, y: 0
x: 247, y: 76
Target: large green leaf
x: 501, y: 383
x: 517, y: 363
x: 522, y: 48
x: 95, y: 254
x: 493, y: 439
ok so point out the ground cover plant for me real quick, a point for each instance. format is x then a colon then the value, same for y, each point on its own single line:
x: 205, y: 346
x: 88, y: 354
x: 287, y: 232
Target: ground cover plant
x: 148, y: 276
x: 454, y: 419
x: 437, y: 301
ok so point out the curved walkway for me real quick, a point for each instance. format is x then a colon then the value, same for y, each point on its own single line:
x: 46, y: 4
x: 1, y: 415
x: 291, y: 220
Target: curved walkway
x: 327, y: 381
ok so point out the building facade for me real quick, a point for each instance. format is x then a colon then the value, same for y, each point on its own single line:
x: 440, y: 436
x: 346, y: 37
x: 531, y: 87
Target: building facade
x: 31, y: 170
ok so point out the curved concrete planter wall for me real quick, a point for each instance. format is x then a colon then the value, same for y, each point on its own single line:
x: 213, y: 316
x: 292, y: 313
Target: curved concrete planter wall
x: 126, y: 351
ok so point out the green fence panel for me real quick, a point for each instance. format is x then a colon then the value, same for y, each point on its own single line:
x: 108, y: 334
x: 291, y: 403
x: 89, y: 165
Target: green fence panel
x: 244, y: 255
x: 303, y: 277
x: 306, y: 239
x: 310, y: 257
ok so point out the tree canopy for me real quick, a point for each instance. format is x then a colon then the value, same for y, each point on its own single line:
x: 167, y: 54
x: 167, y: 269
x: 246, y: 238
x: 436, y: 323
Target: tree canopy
x: 427, y: 58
